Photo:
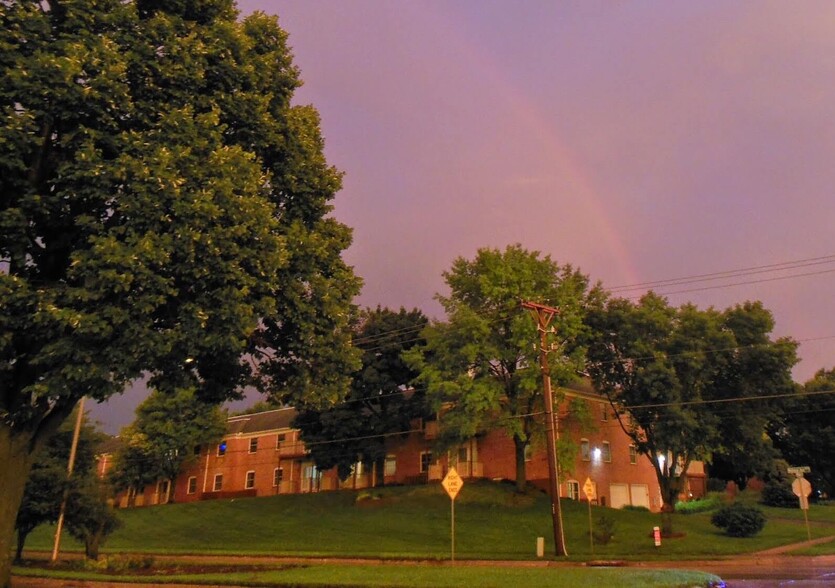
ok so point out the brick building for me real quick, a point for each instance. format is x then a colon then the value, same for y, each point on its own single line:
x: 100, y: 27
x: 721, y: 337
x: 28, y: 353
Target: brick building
x: 263, y: 455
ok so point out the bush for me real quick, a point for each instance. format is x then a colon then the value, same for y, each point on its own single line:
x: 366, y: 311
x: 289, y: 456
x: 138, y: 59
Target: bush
x: 739, y: 520
x: 634, y: 507
x: 604, y: 530
x: 716, y: 485
x: 779, y: 493
x: 701, y: 505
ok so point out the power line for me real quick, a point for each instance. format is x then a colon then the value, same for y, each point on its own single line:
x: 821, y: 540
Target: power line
x: 728, y: 273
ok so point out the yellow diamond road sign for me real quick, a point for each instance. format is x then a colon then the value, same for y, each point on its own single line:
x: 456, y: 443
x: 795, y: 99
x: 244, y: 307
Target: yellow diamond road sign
x: 588, y: 489
x: 452, y: 483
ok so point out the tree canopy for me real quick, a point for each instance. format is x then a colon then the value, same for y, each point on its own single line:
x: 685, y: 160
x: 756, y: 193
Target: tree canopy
x: 805, y: 434
x: 382, y: 401
x: 678, y: 379
x: 164, y: 209
x: 480, y: 365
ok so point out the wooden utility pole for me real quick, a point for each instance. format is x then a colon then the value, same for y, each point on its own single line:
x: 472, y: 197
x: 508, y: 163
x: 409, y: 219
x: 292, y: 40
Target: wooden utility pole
x: 543, y: 315
x: 79, y: 417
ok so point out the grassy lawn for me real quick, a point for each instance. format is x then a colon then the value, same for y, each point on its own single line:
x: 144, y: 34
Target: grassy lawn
x: 393, y: 576
x: 492, y: 522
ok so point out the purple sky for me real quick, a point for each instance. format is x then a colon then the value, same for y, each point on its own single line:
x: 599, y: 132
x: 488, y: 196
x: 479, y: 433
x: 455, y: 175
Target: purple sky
x: 640, y: 141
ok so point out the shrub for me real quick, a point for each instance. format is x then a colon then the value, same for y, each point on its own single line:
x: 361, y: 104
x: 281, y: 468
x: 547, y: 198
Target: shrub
x: 634, y: 507
x: 716, y: 485
x: 604, y: 530
x: 119, y: 564
x: 701, y: 505
x: 779, y: 493
x: 739, y: 520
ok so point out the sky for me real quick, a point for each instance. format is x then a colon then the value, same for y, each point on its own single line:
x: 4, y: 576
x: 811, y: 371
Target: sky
x: 638, y: 141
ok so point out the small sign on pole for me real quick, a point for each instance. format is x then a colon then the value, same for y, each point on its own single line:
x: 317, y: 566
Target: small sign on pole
x: 452, y: 483
x: 802, y: 489
x: 590, y: 491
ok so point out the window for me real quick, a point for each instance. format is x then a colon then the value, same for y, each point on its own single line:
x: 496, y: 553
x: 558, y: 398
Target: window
x: 425, y: 461
x: 585, y: 450
x: 574, y: 490
x: 604, y: 413
x: 250, y: 480
x: 528, y: 452
x: 253, y: 445
x: 221, y: 449
x: 278, y: 475
x: 463, y: 454
x: 282, y: 437
x: 192, y: 485
x: 633, y: 454
x: 196, y: 450
x: 390, y: 465
x: 218, y: 485
x: 607, y: 452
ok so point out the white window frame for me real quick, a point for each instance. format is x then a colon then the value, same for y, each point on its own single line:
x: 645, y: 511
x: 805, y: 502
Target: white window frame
x: 606, y: 452
x: 278, y: 476
x: 390, y: 471
x: 217, y: 483
x: 573, y: 489
x: 633, y: 454
x: 253, y: 444
x: 249, y: 480
x: 585, y: 449
x: 191, y: 485
x: 221, y: 448
x: 429, y: 462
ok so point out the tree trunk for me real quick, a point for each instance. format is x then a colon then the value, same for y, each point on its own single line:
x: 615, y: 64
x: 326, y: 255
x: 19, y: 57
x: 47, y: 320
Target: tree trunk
x: 16, y: 458
x: 22, y: 534
x: 670, y: 488
x: 92, y: 543
x: 521, y: 471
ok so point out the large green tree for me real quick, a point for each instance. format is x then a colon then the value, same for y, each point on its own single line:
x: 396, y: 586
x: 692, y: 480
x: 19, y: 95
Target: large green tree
x: 163, y: 210
x: 163, y: 437
x: 806, y: 432
x: 678, y: 379
x: 480, y: 366
x: 382, y: 401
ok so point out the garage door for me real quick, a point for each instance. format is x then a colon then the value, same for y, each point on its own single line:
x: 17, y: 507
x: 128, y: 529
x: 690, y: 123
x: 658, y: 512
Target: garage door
x: 640, y: 495
x: 619, y: 494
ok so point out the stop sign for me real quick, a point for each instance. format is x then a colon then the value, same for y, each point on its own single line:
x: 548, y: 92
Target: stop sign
x: 801, y: 487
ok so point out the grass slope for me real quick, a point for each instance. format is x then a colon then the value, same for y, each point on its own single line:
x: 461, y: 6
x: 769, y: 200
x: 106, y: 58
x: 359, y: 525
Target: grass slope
x: 491, y: 522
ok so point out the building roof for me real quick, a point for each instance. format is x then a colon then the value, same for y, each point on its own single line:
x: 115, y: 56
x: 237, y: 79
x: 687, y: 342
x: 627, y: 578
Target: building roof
x: 258, y: 422
x: 109, y: 445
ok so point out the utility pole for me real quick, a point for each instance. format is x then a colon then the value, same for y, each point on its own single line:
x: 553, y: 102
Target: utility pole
x: 543, y: 315
x: 79, y: 417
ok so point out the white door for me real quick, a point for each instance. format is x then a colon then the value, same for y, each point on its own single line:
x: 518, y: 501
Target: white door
x: 640, y: 495
x: 619, y: 495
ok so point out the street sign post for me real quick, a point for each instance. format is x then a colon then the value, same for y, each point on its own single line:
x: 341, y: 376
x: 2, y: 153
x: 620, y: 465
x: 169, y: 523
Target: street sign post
x: 798, y: 471
x: 802, y: 489
x: 591, y: 494
x: 452, y: 483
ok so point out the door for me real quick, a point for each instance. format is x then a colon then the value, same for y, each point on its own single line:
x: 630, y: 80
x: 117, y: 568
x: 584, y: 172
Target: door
x: 619, y: 495
x: 640, y: 495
